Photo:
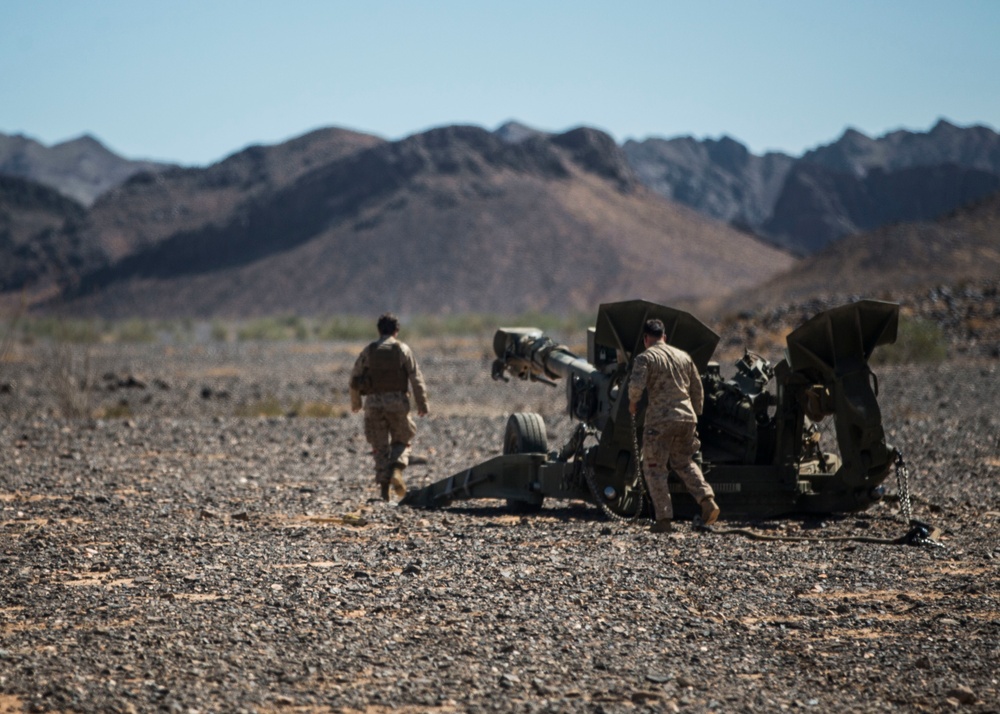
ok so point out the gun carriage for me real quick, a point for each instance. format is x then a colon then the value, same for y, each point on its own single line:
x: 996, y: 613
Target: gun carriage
x: 762, y: 450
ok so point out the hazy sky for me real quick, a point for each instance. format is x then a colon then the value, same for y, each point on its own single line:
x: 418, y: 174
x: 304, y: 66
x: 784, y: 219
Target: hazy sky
x: 192, y: 81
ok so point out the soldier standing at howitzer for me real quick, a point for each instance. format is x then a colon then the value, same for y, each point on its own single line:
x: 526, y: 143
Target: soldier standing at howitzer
x: 670, y: 436
x: 382, y: 374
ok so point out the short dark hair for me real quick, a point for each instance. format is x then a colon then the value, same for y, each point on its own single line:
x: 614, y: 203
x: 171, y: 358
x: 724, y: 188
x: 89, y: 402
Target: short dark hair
x: 653, y: 328
x: 388, y: 324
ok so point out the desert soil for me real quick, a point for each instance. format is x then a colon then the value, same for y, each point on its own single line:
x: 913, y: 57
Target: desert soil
x: 162, y: 549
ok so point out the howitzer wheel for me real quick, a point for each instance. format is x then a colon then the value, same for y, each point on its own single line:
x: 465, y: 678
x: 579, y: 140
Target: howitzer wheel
x: 525, y: 434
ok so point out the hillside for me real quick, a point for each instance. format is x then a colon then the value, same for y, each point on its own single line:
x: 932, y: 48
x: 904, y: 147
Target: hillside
x: 451, y: 220
x: 81, y: 169
x: 818, y: 206
x: 853, y: 184
x: 892, y: 262
x: 32, y: 218
x: 720, y: 178
x: 151, y: 207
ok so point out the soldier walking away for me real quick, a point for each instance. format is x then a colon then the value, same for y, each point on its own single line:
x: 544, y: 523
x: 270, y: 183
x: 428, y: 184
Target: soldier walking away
x: 383, y: 374
x: 670, y: 436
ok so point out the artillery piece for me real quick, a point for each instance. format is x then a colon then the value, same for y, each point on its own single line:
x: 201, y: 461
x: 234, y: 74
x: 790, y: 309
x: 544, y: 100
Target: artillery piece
x: 762, y: 450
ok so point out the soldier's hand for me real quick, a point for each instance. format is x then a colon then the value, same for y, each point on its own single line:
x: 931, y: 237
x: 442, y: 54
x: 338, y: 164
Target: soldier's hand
x: 355, y: 409
x: 633, y: 408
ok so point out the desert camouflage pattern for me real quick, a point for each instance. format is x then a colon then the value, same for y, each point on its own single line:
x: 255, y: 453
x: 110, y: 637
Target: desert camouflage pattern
x: 672, y: 445
x: 389, y: 429
x: 672, y: 381
x: 388, y: 426
x: 670, y: 437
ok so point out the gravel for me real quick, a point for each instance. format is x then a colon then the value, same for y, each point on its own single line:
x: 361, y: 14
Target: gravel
x: 181, y: 555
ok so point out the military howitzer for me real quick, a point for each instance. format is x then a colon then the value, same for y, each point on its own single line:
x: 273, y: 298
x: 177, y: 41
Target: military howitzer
x: 761, y: 449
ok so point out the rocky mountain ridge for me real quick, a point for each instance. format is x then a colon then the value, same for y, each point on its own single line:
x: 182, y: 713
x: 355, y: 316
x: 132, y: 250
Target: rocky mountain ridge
x: 854, y: 183
x: 81, y: 168
x: 440, y: 196
x: 32, y: 220
x: 818, y: 206
x: 949, y: 254
x: 798, y: 203
x: 450, y: 220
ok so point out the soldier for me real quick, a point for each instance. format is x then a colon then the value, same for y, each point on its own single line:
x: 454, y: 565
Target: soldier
x: 670, y: 438
x: 382, y: 374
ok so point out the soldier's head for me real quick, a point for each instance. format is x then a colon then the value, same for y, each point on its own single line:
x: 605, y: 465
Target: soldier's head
x: 388, y: 324
x: 652, y: 331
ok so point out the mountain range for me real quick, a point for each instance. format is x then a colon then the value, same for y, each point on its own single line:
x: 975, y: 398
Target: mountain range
x: 82, y: 168
x: 853, y: 184
x: 450, y: 220
x: 461, y: 218
x: 960, y: 248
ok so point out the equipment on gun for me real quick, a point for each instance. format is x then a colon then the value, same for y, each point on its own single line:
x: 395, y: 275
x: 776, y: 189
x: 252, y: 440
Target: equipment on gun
x: 762, y: 448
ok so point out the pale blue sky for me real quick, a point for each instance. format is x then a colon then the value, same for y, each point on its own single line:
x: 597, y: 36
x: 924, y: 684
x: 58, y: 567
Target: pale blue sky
x: 192, y: 81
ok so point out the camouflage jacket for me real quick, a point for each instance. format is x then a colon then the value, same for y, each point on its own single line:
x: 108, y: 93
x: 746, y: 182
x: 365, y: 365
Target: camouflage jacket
x: 408, y: 366
x: 672, y: 381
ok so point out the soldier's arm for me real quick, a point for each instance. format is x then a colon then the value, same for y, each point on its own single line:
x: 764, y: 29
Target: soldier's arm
x: 417, y: 383
x: 697, y: 392
x: 637, y: 382
x: 360, y: 365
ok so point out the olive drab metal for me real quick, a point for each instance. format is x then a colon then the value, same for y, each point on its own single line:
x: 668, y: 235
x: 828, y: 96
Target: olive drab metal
x: 762, y: 446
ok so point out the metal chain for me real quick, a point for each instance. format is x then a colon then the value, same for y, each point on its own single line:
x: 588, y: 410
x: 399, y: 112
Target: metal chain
x: 920, y: 534
x: 639, y: 476
x: 903, y: 488
x: 634, y: 519
x: 588, y: 475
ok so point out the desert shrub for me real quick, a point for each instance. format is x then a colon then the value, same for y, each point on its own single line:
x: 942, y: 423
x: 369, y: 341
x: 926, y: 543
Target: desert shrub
x: 219, y: 332
x: 282, y: 328
x: 180, y: 330
x: 442, y: 325
x: 135, y: 330
x: 269, y: 406
x: 8, y: 327
x: 58, y: 329
x: 120, y: 410
x: 274, y: 329
x: 8, y: 330
x: 317, y: 410
x: 485, y: 324
x: 70, y: 378
x: 354, y: 327
x: 570, y: 324
x: 917, y: 341
x: 345, y: 327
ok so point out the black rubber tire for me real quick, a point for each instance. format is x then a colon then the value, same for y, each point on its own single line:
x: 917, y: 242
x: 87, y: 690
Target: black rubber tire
x: 525, y: 434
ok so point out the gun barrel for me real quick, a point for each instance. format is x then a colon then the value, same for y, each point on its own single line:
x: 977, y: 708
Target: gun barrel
x: 527, y: 353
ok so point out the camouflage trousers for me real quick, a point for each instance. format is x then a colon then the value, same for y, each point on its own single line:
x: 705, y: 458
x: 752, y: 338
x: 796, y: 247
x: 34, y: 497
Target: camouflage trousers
x: 389, y: 429
x: 671, y: 445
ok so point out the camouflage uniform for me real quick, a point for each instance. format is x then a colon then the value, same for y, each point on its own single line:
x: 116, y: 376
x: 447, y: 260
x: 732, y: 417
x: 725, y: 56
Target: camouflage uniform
x: 382, y: 374
x: 670, y: 436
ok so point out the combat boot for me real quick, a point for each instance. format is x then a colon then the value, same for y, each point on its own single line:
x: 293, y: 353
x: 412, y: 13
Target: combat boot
x: 709, y: 511
x: 396, y: 480
x: 662, y: 525
x: 384, y: 491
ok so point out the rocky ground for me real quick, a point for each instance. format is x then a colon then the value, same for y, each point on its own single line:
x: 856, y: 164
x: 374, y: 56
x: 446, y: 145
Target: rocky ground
x: 195, y: 531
